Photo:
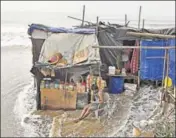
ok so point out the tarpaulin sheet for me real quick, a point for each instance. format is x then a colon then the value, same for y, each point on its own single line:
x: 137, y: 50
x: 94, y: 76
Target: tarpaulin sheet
x: 151, y: 68
x: 33, y: 27
x: 111, y: 57
x: 172, y: 67
x: 68, y: 44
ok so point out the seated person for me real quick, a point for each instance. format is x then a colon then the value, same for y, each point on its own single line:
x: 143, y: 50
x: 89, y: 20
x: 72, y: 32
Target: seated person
x: 98, y: 103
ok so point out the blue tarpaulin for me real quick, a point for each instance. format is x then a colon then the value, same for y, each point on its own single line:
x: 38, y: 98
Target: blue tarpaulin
x: 172, y: 67
x: 151, y: 66
x: 32, y: 27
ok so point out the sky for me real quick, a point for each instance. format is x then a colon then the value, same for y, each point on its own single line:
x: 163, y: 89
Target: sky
x: 104, y: 9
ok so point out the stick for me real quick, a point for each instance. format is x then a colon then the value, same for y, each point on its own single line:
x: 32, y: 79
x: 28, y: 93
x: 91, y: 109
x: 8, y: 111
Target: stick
x: 125, y: 20
x: 164, y: 68
x: 133, y: 47
x: 139, y: 20
x: 143, y: 24
x: 167, y: 68
x: 97, y: 26
x: 150, y: 35
x: 80, y: 20
x: 65, y: 88
x: 83, y: 15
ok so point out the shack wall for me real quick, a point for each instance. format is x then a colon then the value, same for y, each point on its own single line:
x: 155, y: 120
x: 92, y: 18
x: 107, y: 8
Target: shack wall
x: 172, y: 57
x: 152, y: 61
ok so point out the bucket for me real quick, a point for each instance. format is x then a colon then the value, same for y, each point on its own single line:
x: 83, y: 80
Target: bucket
x: 116, y: 85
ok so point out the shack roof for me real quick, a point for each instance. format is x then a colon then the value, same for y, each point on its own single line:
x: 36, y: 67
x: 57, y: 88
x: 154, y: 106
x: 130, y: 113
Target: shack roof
x: 45, y: 28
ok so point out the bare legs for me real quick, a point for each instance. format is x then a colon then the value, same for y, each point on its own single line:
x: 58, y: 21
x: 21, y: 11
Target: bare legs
x: 84, y: 114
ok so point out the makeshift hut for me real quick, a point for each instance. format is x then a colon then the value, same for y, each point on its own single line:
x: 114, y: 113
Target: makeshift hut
x: 76, y: 47
x: 78, y: 57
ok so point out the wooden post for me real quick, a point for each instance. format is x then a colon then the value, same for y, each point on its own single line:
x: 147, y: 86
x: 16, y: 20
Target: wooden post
x: 167, y: 67
x: 139, y: 61
x: 125, y: 20
x: 164, y: 68
x: 83, y: 15
x: 143, y: 23
x: 96, y: 34
x: 166, y: 96
x: 139, y: 20
x: 97, y: 25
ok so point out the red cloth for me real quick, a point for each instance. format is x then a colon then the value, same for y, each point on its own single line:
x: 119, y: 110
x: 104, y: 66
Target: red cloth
x: 135, y: 60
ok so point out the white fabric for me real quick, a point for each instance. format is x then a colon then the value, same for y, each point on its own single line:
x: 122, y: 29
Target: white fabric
x: 67, y: 44
x: 39, y: 34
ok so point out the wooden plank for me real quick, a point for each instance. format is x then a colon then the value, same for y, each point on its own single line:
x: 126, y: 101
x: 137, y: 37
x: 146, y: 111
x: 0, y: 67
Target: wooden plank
x: 70, y: 100
x: 150, y: 35
x: 124, y: 76
x: 56, y: 99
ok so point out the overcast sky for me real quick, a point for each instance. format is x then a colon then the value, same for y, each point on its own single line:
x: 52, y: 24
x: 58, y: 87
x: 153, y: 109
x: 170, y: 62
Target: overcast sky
x: 131, y: 8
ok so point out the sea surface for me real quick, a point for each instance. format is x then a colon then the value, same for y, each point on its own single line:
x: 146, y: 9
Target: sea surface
x: 17, y: 85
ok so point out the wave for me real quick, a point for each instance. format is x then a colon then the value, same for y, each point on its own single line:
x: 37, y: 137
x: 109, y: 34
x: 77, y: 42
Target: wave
x: 34, y: 125
x: 14, y: 35
x: 25, y: 105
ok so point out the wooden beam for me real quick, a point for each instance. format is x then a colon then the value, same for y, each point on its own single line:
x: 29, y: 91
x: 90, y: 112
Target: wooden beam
x: 133, y: 47
x: 150, y: 35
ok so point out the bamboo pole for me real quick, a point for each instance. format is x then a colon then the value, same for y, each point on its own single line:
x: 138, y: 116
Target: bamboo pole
x: 65, y: 88
x: 139, y: 20
x: 139, y: 74
x: 167, y: 67
x: 79, y: 19
x: 125, y: 20
x: 166, y: 98
x: 133, y: 47
x: 164, y: 68
x: 96, y: 36
x: 150, y: 35
x: 97, y: 26
x: 143, y: 23
x: 83, y: 15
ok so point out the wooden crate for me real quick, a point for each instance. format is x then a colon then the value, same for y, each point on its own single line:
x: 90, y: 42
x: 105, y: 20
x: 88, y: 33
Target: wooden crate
x: 58, y: 99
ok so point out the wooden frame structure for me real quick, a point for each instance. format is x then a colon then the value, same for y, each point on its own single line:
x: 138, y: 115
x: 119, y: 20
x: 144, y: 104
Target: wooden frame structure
x: 166, y: 57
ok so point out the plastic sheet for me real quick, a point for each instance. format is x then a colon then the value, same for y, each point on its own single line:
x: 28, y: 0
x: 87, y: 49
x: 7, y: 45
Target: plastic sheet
x: 59, y: 29
x: 172, y: 57
x: 151, y: 66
